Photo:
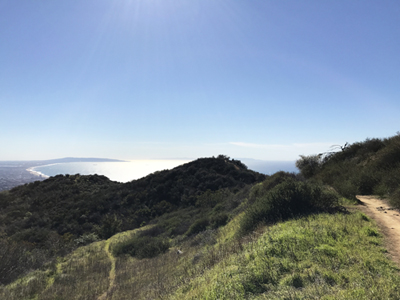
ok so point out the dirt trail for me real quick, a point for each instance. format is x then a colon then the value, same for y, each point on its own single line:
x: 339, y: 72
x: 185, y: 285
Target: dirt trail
x: 112, y: 271
x: 388, y: 219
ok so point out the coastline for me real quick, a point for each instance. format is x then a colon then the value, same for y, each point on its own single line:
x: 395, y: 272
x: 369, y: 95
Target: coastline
x: 115, y: 171
x: 36, y: 173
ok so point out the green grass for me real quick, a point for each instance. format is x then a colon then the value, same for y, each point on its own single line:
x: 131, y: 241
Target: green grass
x: 325, y: 256
x: 317, y: 257
x: 347, y: 202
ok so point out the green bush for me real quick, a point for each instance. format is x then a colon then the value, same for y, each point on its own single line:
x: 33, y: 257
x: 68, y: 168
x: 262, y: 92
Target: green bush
x: 86, y: 239
x: 272, y: 181
x: 198, y: 226
x: 394, y: 198
x: 110, y: 226
x: 211, y: 198
x: 309, y: 165
x: 346, y: 188
x: 366, y: 182
x: 142, y: 247
x: 288, y: 199
x: 389, y: 156
x: 219, y: 220
x: 152, y: 231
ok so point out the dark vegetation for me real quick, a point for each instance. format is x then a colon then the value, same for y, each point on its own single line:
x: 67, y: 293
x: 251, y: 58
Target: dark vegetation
x: 49, y: 218
x: 142, y: 246
x: 362, y: 168
x: 42, y: 220
x: 289, y: 199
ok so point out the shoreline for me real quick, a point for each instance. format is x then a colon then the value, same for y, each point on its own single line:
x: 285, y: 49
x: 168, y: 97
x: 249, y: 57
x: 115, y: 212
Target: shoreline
x: 36, y: 173
x: 130, y: 170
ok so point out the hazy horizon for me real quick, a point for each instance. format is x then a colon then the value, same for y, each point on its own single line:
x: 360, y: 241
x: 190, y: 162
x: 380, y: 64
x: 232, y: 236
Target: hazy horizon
x: 267, y: 80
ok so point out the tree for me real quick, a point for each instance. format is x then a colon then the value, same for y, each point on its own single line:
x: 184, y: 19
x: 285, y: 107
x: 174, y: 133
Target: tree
x: 111, y: 225
x: 309, y: 165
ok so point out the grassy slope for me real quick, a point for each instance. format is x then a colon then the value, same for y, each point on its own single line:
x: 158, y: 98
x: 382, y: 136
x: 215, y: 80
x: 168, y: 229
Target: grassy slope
x: 338, y: 256
x: 322, y: 256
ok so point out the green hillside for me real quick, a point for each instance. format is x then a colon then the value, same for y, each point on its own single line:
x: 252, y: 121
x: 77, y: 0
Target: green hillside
x: 209, y: 229
x: 56, y: 215
x: 362, y: 168
x: 319, y: 256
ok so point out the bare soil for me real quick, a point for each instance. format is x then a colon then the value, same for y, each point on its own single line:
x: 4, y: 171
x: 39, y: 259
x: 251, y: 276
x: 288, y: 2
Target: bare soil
x: 388, y: 220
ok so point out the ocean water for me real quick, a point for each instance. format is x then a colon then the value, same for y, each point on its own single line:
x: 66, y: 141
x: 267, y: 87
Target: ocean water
x: 135, y: 169
x: 270, y: 167
x: 116, y: 171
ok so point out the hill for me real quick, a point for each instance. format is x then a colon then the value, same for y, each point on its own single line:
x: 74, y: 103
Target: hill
x: 313, y: 256
x: 362, y: 168
x: 209, y: 229
x: 58, y: 214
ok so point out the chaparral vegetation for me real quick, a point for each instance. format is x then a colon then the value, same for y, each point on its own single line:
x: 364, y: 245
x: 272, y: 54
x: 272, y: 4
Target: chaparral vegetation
x: 209, y: 229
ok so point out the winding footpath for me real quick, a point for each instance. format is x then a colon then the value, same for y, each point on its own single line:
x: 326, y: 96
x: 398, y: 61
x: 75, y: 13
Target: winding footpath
x: 111, y: 275
x: 388, y: 219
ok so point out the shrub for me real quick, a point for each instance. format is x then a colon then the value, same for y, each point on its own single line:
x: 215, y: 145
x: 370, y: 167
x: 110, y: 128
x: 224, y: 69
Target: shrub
x: 309, y: 165
x: 86, y: 239
x: 210, y: 198
x: 206, y: 237
x: 198, y: 226
x: 389, y: 156
x: 370, y: 232
x: 17, y: 258
x: 365, y: 181
x: 288, y: 199
x: 272, y: 181
x: 346, y: 188
x: 394, y: 198
x: 111, y: 225
x: 277, y: 178
x: 153, y: 231
x: 219, y: 220
x: 294, y: 280
x: 142, y: 247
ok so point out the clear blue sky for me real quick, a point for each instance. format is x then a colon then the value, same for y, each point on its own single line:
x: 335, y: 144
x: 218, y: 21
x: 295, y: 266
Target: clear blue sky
x: 139, y: 79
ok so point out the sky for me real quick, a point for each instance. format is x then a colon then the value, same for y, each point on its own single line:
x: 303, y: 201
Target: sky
x: 163, y: 79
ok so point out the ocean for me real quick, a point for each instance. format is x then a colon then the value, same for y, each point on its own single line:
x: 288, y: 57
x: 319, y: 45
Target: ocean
x: 135, y: 169
x: 116, y: 171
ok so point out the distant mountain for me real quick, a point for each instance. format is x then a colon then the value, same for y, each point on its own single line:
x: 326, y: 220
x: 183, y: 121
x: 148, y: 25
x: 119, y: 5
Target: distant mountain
x: 80, y: 159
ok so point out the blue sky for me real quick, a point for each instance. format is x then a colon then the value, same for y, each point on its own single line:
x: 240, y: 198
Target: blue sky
x: 143, y: 79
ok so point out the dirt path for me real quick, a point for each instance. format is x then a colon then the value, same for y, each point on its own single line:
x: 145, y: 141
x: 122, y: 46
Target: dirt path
x: 388, y: 219
x: 112, y: 271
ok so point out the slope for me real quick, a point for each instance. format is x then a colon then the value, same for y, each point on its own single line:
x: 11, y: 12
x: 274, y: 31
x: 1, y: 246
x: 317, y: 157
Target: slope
x: 51, y: 217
